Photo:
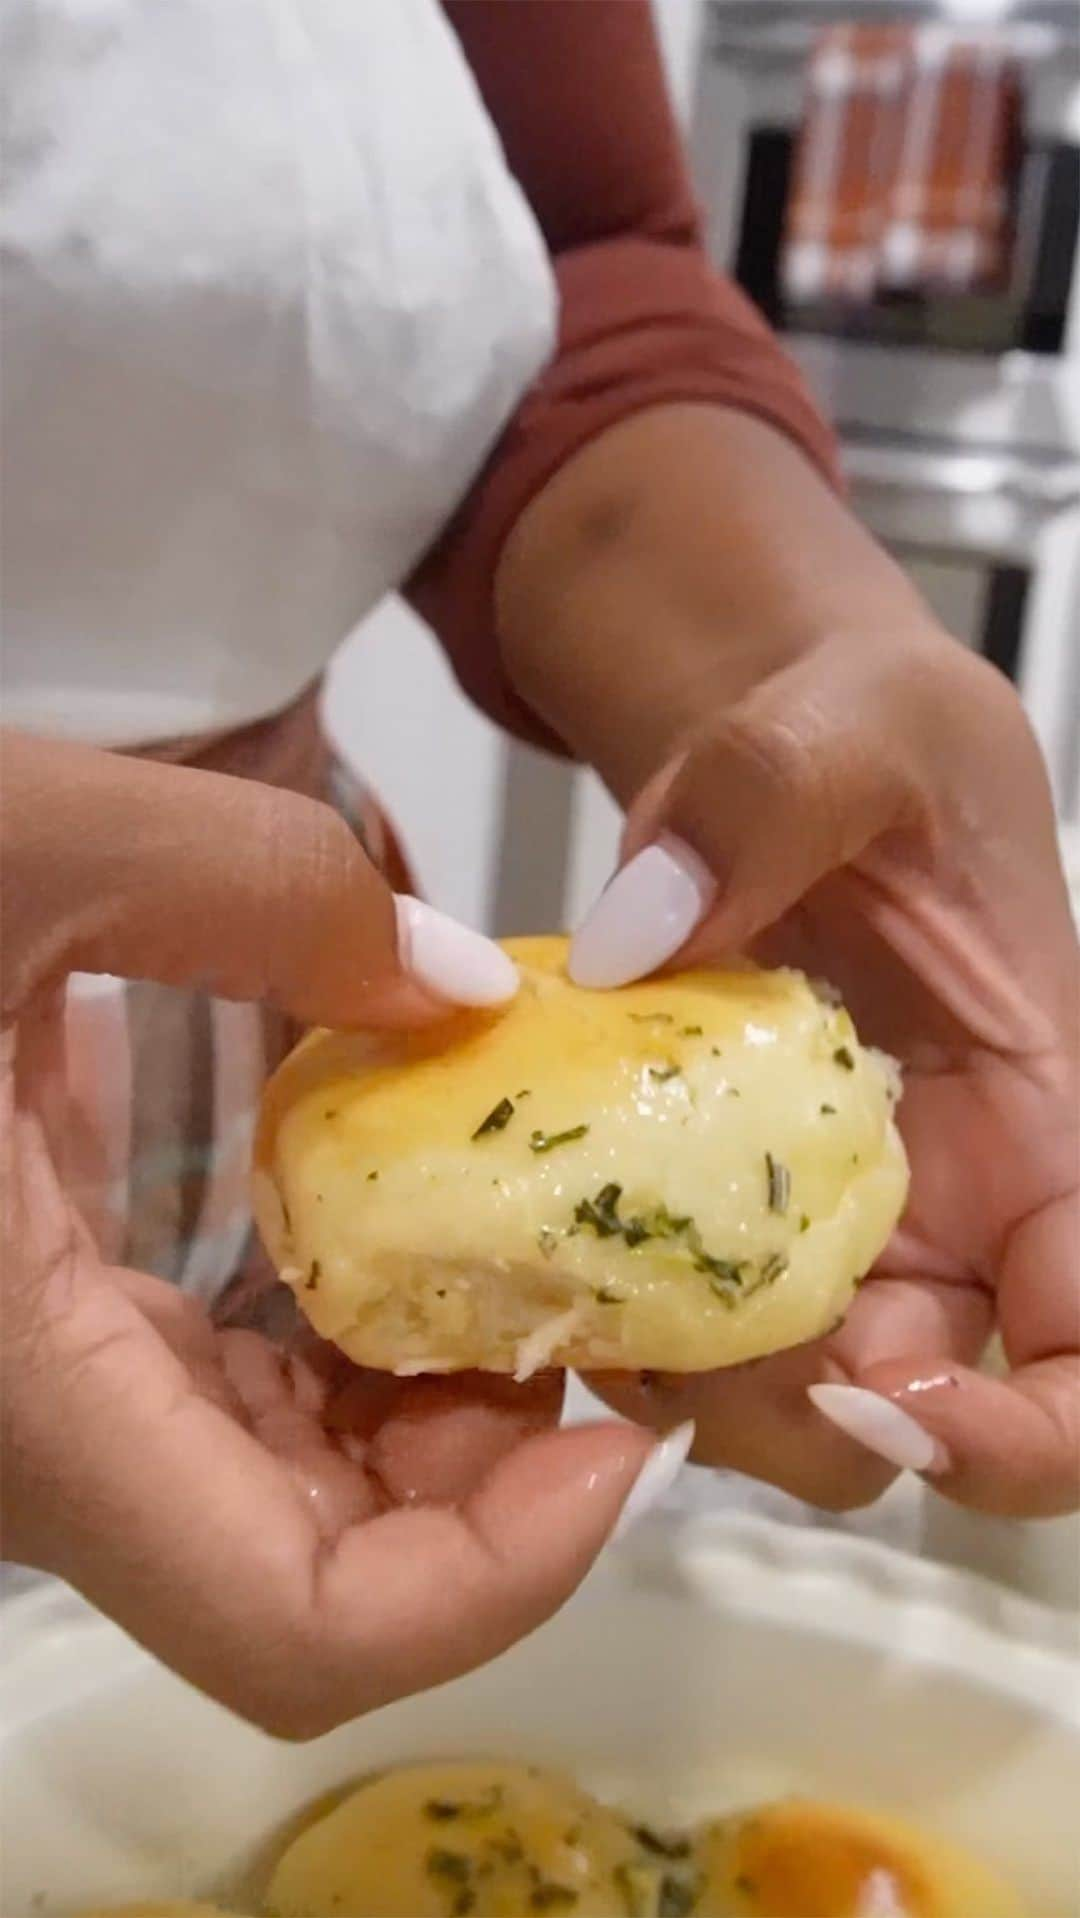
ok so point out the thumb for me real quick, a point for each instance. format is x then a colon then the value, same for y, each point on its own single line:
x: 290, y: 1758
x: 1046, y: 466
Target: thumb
x: 765, y: 800
x: 192, y: 878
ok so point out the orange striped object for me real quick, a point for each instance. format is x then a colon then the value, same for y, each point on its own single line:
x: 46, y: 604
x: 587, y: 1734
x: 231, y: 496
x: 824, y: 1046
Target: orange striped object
x: 908, y: 145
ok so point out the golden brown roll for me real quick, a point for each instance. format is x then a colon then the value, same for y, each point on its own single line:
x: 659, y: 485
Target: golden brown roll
x: 833, y: 1861
x: 491, y: 1840
x: 682, y: 1174
x: 172, y: 1908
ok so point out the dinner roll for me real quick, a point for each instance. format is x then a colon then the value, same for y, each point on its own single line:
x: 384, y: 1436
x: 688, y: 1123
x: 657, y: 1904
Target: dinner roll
x: 833, y: 1861
x: 173, y: 1908
x: 682, y: 1174
x: 492, y: 1840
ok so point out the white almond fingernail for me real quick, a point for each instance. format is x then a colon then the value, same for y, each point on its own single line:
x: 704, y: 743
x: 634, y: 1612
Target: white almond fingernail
x: 656, y: 1477
x: 449, y: 959
x: 646, y: 913
x: 878, y: 1424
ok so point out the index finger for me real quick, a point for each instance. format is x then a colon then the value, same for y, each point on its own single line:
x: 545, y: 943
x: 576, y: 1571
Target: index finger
x: 194, y: 878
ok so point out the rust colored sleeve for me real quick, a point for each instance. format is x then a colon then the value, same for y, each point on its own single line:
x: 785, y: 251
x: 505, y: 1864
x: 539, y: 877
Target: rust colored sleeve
x: 577, y: 91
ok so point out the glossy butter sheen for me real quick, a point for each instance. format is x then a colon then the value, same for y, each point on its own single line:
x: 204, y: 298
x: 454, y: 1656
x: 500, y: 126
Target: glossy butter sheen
x: 505, y: 1840
x: 740, y: 1102
x: 836, y: 1861
x: 491, y: 1839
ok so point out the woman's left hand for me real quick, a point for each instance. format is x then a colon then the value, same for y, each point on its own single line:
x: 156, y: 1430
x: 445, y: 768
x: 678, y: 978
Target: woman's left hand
x: 878, y: 814
x: 694, y: 611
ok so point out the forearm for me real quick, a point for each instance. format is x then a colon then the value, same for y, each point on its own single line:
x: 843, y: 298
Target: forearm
x: 670, y: 564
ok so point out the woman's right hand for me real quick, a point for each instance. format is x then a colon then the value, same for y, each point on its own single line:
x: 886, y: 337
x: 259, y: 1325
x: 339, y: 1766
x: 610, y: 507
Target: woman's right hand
x: 302, y: 1540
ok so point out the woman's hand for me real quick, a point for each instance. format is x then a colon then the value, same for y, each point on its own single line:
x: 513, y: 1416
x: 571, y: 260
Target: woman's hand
x: 302, y: 1540
x: 696, y: 613
x: 877, y: 813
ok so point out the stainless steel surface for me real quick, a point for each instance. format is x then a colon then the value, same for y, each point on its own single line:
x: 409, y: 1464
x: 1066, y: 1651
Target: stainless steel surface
x: 983, y: 507
x: 986, y: 503
x: 1046, y: 485
x: 1019, y: 400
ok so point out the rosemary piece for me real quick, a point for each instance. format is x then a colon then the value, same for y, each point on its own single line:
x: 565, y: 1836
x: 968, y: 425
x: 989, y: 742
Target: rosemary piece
x: 498, y: 1118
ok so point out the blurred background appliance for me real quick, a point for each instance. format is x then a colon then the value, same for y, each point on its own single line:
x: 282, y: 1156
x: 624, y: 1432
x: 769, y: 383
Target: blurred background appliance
x: 958, y: 409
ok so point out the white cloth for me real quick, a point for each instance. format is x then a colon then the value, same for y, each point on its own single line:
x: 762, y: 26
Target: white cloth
x: 270, y: 293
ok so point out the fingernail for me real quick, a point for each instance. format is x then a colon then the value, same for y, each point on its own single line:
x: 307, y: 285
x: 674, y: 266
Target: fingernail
x: 449, y: 959
x: 643, y: 916
x: 656, y: 1477
x: 880, y: 1425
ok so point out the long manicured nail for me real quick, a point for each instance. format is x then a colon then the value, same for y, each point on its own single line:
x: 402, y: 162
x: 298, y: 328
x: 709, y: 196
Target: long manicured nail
x: 449, y: 959
x: 880, y: 1425
x: 643, y: 916
x: 656, y: 1477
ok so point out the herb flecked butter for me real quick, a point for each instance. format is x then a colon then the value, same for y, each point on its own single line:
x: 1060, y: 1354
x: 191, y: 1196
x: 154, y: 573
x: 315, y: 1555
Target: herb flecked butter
x: 685, y: 1173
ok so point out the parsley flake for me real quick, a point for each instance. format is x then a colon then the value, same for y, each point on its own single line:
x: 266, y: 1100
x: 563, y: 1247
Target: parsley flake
x: 547, y: 1141
x: 679, y: 1896
x: 453, y: 1871
x: 497, y: 1119
x: 660, y: 1844
x: 601, y: 1213
x: 779, y: 1183
x: 548, y: 1896
x: 443, y: 1810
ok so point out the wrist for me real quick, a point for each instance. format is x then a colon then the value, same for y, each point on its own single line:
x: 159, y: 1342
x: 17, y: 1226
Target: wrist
x: 674, y: 563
